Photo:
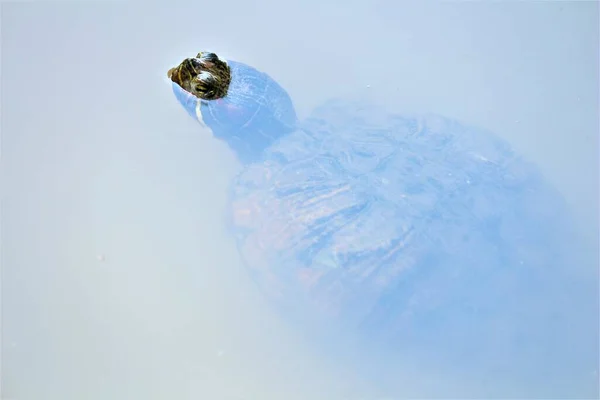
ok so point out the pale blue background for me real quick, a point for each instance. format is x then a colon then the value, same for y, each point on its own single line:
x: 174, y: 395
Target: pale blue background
x: 99, y: 159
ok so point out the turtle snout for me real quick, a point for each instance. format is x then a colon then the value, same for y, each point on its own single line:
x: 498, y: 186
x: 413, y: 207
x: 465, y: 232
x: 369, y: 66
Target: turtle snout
x: 174, y: 75
x: 183, y: 72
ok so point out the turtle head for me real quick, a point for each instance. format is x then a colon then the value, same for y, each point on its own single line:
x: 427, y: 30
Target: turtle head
x: 205, y: 76
x: 242, y: 106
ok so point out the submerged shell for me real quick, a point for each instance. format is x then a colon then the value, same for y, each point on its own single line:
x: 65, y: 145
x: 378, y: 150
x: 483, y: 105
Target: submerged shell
x: 390, y: 224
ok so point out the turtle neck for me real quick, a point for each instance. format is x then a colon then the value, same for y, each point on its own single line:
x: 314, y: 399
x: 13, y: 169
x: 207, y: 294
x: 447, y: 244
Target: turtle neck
x: 256, y: 113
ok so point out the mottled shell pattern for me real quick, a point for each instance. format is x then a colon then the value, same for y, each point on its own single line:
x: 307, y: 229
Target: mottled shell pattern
x: 359, y: 210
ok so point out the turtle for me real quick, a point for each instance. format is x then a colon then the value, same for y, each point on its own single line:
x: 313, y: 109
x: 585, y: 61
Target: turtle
x: 418, y: 234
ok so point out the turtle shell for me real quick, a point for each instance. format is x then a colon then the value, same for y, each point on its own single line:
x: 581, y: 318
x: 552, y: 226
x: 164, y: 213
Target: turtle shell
x: 391, y: 225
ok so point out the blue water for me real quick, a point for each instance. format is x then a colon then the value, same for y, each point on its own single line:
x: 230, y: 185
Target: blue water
x: 120, y: 279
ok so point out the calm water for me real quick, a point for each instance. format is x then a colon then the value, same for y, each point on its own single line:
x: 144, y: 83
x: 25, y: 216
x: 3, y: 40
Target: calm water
x: 119, y: 280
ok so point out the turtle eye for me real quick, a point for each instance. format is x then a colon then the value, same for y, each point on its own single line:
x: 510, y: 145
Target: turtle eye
x: 210, y: 57
x: 196, y: 63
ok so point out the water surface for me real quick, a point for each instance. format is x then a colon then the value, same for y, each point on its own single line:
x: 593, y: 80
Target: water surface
x: 119, y: 280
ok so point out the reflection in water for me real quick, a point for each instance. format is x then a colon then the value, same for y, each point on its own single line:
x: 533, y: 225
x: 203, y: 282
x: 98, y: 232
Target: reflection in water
x: 106, y: 164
